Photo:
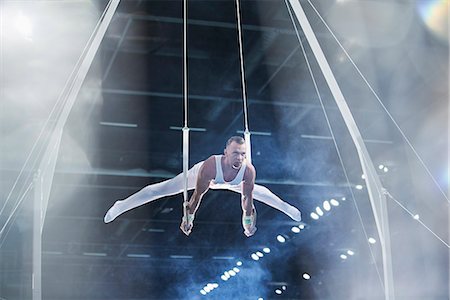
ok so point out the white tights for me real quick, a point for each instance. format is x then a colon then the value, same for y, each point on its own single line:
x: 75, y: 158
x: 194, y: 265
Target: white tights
x: 175, y: 186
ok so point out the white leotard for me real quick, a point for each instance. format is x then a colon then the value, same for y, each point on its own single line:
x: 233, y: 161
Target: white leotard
x: 219, y: 173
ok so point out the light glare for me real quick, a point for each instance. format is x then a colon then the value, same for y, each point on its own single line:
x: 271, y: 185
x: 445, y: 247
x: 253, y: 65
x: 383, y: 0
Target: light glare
x: 319, y: 211
x: 314, y: 216
x: 334, y: 202
x: 281, y: 238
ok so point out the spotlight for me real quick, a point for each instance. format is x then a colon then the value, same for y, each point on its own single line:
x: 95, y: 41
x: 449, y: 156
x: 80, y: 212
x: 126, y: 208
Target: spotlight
x: 326, y: 205
x: 350, y: 252
x: 202, y: 292
x: 372, y: 240
x: 363, y: 176
x: 343, y: 256
x: 306, y: 276
x: 381, y: 167
x: 210, y: 286
x: 343, y: 198
x: 227, y: 275
x: 232, y: 273
x: 416, y: 217
x: 239, y: 263
x: 278, y: 291
x: 215, y: 285
x: 334, y: 202
x: 236, y: 270
x: 283, y: 287
x: 281, y: 238
x: 385, y: 169
x: 266, y: 250
x: 314, y: 216
x: 295, y: 229
x: 259, y: 254
x: 24, y: 26
x: 255, y: 257
x: 301, y: 226
x: 358, y: 187
x: 319, y: 211
x: 224, y: 278
x: 207, y: 289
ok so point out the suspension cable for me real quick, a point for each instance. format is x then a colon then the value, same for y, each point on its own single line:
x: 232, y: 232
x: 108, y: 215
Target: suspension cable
x: 185, y: 128
x: 243, y: 85
x: 382, y: 105
x: 334, y: 140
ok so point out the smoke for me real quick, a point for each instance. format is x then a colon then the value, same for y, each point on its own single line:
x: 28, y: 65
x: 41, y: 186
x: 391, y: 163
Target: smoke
x: 249, y: 283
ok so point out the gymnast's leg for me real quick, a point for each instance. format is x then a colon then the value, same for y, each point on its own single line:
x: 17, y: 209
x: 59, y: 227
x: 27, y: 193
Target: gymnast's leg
x: 264, y: 195
x: 153, y: 192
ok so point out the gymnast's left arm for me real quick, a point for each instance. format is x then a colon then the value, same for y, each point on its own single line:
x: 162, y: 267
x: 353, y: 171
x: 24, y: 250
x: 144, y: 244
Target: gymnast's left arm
x: 247, y: 189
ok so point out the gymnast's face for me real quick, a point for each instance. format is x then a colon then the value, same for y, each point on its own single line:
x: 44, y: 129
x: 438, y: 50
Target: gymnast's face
x: 235, y: 154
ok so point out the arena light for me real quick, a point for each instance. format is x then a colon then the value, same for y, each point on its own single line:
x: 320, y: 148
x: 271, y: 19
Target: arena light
x: 236, y: 270
x: 278, y: 292
x: 24, y: 26
x: 326, y: 205
x: 343, y: 256
x: 239, y: 263
x: 385, y: 169
x: 319, y: 211
x: 350, y: 252
x: 266, y: 250
x: 381, y: 167
x: 301, y: 226
x: 334, y: 202
x: 254, y: 256
x: 314, y: 216
x: 295, y: 229
x: 280, y: 238
x: 259, y: 254
x: 416, y: 217
x: 202, y: 291
x: 358, y: 187
x: 306, y: 276
x: 372, y: 240
x: 224, y: 278
x: 232, y: 273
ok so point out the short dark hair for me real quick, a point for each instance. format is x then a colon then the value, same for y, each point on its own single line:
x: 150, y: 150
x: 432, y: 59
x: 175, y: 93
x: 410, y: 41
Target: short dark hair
x: 237, y: 139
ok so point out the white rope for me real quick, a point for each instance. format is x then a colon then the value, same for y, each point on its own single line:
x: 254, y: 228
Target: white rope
x: 334, y: 141
x: 417, y: 219
x: 185, y: 128
x: 381, y: 103
x: 243, y: 85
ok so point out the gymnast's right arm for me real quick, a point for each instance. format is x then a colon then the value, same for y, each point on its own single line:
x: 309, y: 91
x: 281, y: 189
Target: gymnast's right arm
x: 205, y: 175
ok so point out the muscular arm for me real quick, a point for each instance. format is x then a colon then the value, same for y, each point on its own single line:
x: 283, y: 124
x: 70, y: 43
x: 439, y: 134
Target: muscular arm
x: 247, y: 188
x: 206, y: 173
